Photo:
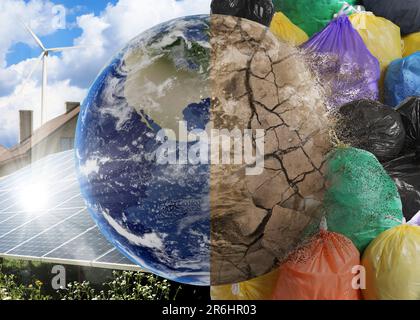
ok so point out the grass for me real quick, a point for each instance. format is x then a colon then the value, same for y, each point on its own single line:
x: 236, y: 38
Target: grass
x: 26, y: 280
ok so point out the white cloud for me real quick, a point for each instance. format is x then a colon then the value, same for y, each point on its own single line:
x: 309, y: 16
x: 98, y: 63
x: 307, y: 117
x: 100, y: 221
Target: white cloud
x: 70, y: 74
x: 104, y: 35
x: 36, y: 13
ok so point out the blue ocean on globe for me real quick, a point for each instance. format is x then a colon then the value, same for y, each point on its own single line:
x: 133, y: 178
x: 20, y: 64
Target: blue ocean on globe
x: 158, y: 215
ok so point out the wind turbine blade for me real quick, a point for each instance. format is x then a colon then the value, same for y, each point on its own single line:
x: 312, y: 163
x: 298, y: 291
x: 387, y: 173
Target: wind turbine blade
x: 37, y: 40
x: 65, y: 48
x: 28, y: 77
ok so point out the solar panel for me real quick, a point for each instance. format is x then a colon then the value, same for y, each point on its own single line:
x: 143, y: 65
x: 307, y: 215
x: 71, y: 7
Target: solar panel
x: 62, y: 232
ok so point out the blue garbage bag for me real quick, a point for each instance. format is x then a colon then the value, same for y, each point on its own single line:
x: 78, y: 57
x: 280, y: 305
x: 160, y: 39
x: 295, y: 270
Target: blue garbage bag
x: 402, y: 79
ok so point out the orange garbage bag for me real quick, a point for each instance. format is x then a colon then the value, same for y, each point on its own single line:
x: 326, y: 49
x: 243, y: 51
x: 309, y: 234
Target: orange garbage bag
x: 321, y: 270
x: 260, y: 288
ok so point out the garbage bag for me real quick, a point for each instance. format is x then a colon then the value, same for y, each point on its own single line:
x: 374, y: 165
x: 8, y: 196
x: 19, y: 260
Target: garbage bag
x: 404, y: 13
x: 381, y: 36
x: 405, y: 171
x: 411, y: 44
x: 260, y: 288
x: 260, y: 11
x: 371, y: 126
x: 320, y: 270
x: 402, y: 79
x: 415, y: 221
x: 361, y: 200
x: 409, y: 110
x: 286, y: 31
x: 392, y: 265
x: 310, y: 15
x: 343, y: 63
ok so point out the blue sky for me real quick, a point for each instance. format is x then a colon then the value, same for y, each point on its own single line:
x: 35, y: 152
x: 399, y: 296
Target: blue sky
x: 64, y: 37
x: 101, y: 27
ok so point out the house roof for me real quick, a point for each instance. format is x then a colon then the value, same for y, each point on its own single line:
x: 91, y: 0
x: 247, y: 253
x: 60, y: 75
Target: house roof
x: 3, y: 149
x: 38, y: 136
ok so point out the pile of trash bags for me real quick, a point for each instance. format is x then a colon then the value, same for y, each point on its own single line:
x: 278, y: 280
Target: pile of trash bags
x: 260, y: 11
x: 392, y: 135
x: 310, y: 15
x: 322, y: 269
x: 405, y: 14
x: 366, y: 56
x: 381, y: 36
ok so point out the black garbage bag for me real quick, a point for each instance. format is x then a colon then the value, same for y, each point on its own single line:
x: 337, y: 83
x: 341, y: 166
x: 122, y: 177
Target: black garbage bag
x: 405, y: 171
x: 409, y: 110
x: 371, y: 126
x: 404, y: 13
x: 261, y: 11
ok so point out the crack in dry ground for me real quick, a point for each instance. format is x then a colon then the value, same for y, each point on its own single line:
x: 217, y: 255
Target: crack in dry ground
x: 257, y: 220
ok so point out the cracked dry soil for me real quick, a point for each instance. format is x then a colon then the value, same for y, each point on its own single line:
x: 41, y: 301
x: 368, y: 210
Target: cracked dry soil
x: 258, y: 82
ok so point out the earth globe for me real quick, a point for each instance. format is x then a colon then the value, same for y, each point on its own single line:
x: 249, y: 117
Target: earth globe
x: 153, y: 109
x: 157, y: 215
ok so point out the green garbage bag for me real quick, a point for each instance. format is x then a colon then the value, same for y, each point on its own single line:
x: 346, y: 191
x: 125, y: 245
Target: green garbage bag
x: 310, y: 15
x: 361, y: 200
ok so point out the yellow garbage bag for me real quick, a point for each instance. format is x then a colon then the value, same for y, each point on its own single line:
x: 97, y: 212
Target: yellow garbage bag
x: 392, y: 265
x: 381, y: 36
x: 286, y: 31
x: 260, y: 288
x: 411, y: 44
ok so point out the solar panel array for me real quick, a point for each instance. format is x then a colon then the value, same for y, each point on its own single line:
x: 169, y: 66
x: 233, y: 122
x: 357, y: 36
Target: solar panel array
x: 60, y: 232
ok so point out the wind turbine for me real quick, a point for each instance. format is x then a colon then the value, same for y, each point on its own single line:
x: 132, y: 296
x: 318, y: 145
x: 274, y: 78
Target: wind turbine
x: 43, y: 57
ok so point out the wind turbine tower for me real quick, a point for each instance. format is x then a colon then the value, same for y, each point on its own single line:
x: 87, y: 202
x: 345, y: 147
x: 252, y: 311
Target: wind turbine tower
x: 44, y: 58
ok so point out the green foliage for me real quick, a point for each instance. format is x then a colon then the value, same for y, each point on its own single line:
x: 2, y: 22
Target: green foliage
x: 11, y: 290
x: 126, y: 285
x: 18, y: 264
x: 78, y: 291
